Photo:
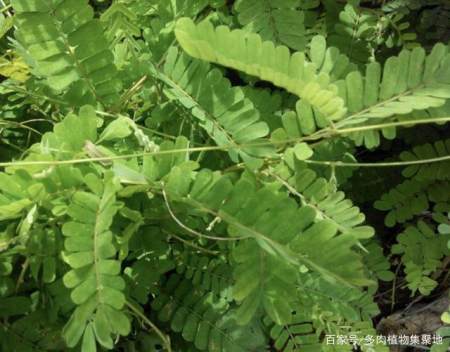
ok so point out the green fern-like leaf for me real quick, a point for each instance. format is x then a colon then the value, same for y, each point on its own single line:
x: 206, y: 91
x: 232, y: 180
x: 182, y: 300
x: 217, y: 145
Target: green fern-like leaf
x: 280, y: 21
x: 317, y: 193
x: 329, y: 59
x: 407, y: 82
x: 422, y: 251
x: 319, y: 297
x: 413, y: 197
x: 275, y: 248
x: 94, y: 278
x: 353, y: 32
x: 377, y: 263
x: 437, y: 171
x: 404, y: 202
x: 227, y: 116
x: 121, y: 23
x: 43, y: 336
x: 299, y: 335
x: 69, y: 49
x: 210, y: 275
x: 307, y: 118
x: 204, y: 319
x: 248, y: 53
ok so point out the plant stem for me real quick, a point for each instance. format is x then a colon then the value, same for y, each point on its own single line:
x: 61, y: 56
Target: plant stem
x: 163, y: 337
x: 192, y: 231
x: 193, y: 245
x: 379, y: 164
x: 321, y: 134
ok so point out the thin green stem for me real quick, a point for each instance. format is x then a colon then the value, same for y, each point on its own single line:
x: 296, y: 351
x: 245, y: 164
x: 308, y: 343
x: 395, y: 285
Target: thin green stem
x: 326, y: 133
x: 193, y: 245
x: 163, y: 337
x: 192, y: 231
x: 106, y: 158
x: 21, y: 125
x: 34, y: 95
x: 130, y: 92
x: 392, y: 124
x: 12, y: 146
x: 380, y: 164
x: 161, y: 134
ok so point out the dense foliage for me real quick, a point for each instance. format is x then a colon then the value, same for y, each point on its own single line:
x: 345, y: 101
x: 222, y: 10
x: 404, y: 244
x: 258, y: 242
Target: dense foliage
x: 223, y: 176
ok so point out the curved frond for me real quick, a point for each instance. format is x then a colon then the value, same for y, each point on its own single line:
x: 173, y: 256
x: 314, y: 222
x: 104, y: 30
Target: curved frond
x: 319, y: 297
x: 407, y: 82
x: 209, y: 275
x: 437, y: 171
x: 69, y: 49
x: 223, y: 111
x: 377, y: 263
x: 353, y: 32
x: 421, y: 252
x: 316, y: 192
x: 207, y: 321
x: 412, y: 198
x: 405, y: 86
x: 276, y: 247
x: 268, y: 103
x: 249, y: 54
x: 297, y: 336
x: 94, y: 278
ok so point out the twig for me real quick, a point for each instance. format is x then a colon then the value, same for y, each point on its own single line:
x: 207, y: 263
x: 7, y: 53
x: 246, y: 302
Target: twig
x: 20, y: 124
x: 163, y: 337
x: 438, y: 273
x: 398, y: 285
x: 323, y: 134
x: 414, y: 301
x: 193, y: 245
x: 20, y: 280
x: 332, y: 163
x: 394, y: 288
x: 192, y: 231
x: 129, y: 93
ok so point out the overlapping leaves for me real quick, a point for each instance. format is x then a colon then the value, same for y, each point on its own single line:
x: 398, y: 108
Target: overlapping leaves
x: 67, y: 47
x: 95, y: 281
x: 248, y: 53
